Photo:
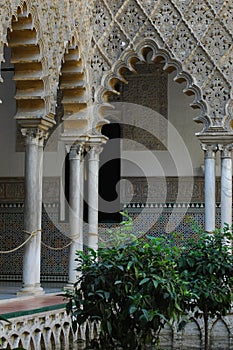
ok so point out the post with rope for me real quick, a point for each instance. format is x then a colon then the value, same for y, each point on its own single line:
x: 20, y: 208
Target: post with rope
x: 32, y: 226
x: 75, y: 194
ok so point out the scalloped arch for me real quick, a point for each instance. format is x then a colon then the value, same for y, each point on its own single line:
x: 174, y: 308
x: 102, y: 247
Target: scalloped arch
x: 24, y: 35
x: 127, y: 61
x: 72, y: 79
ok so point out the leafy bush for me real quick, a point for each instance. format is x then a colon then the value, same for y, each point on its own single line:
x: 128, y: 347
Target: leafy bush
x: 206, y: 264
x: 132, y: 289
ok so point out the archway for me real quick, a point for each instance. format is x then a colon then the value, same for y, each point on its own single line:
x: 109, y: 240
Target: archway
x: 156, y: 139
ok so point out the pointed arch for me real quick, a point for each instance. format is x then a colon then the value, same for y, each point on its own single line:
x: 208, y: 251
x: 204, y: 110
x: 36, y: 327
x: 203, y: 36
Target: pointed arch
x: 192, y: 334
x: 220, y: 335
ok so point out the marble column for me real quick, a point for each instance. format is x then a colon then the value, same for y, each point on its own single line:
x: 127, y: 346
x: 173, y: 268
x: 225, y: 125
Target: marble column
x: 93, y: 195
x: 226, y: 184
x: 39, y: 210
x: 75, y: 159
x: 210, y: 185
x: 31, y: 264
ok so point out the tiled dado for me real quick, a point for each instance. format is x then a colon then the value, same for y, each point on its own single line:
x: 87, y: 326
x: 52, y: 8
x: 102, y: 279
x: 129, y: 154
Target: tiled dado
x: 165, y: 190
x: 12, y: 189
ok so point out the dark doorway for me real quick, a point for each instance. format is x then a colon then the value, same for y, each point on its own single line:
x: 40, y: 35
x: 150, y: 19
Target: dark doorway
x: 109, y: 175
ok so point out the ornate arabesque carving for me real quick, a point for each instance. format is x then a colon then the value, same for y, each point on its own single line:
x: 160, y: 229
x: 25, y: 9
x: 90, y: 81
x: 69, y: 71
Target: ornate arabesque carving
x: 112, y: 29
x: 196, y: 37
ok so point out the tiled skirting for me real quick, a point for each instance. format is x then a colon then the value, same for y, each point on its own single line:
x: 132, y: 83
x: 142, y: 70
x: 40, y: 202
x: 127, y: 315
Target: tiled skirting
x: 154, y: 218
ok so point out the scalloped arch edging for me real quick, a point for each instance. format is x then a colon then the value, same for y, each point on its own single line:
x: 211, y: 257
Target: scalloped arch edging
x: 127, y: 60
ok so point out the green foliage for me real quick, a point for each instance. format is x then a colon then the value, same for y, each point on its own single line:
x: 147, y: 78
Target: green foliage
x: 134, y: 286
x: 133, y: 289
x: 206, y: 264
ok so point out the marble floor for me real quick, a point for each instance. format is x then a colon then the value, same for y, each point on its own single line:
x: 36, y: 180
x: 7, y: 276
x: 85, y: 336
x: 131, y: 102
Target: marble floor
x: 11, y: 303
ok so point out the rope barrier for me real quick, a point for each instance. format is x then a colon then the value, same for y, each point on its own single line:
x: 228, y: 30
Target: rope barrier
x: 54, y: 248
x: 65, y: 246
x: 32, y: 234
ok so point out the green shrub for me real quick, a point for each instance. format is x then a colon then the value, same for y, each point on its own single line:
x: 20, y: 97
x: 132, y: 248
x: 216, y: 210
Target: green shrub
x: 132, y: 289
x: 206, y: 264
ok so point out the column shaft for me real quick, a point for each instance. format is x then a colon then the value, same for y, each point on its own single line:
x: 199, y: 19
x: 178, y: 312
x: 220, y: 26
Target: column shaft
x: 31, y: 266
x: 210, y: 187
x: 93, y: 196
x: 39, y: 211
x: 226, y: 184
x: 75, y: 210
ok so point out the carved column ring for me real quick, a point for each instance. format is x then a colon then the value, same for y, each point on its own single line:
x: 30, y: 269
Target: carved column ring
x: 226, y: 150
x: 210, y: 150
x: 76, y: 151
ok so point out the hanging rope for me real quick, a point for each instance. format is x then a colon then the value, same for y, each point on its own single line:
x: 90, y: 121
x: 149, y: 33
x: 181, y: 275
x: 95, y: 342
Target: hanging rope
x: 74, y: 238
x: 32, y: 234
x: 54, y: 248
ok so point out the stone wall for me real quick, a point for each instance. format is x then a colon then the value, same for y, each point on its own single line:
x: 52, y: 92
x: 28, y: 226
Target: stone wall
x: 52, y: 330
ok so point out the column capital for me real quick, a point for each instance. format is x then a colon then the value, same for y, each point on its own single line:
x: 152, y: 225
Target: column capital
x: 34, y: 135
x: 76, y: 151
x: 94, y: 151
x: 226, y: 150
x: 210, y: 150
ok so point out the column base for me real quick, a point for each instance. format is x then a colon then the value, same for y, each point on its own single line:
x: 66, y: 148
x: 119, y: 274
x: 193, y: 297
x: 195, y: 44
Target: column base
x: 30, y: 290
x: 68, y: 286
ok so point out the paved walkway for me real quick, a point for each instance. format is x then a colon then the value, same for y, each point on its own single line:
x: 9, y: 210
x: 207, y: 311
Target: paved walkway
x: 13, y: 306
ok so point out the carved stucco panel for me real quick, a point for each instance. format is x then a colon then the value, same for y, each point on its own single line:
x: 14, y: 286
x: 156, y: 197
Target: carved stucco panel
x: 149, y: 31
x: 182, y: 43
x: 216, y: 4
x: 131, y: 17
x: 199, y: 16
x: 227, y: 16
x: 100, y: 21
x: 216, y: 92
x: 119, y: 23
x: 98, y: 64
x: 217, y: 41
x: 165, y: 17
x: 226, y: 66
x: 114, y: 43
x: 199, y: 65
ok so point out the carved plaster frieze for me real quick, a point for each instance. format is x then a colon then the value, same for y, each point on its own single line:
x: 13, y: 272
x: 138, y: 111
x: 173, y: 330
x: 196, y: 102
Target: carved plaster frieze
x: 189, y: 32
x: 193, y: 33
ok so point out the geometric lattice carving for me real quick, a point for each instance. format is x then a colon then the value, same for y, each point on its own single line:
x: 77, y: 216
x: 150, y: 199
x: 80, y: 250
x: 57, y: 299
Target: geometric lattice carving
x: 165, y: 17
x: 114, y: 43
x: 149, y: 31
x: 227, y: 16
x: 131, y: 17
x: 181, y: 27
x: 216, y: 92
x: 183, y: 42
x: 98, y: 64
x: 226, y: 67
x: 101, y: 20
x: 148, y: 5
x: 216, y: 4
x: 200, y: 15
x: 217, y: 41
x: 200, y: 65
x: 114, y: 5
